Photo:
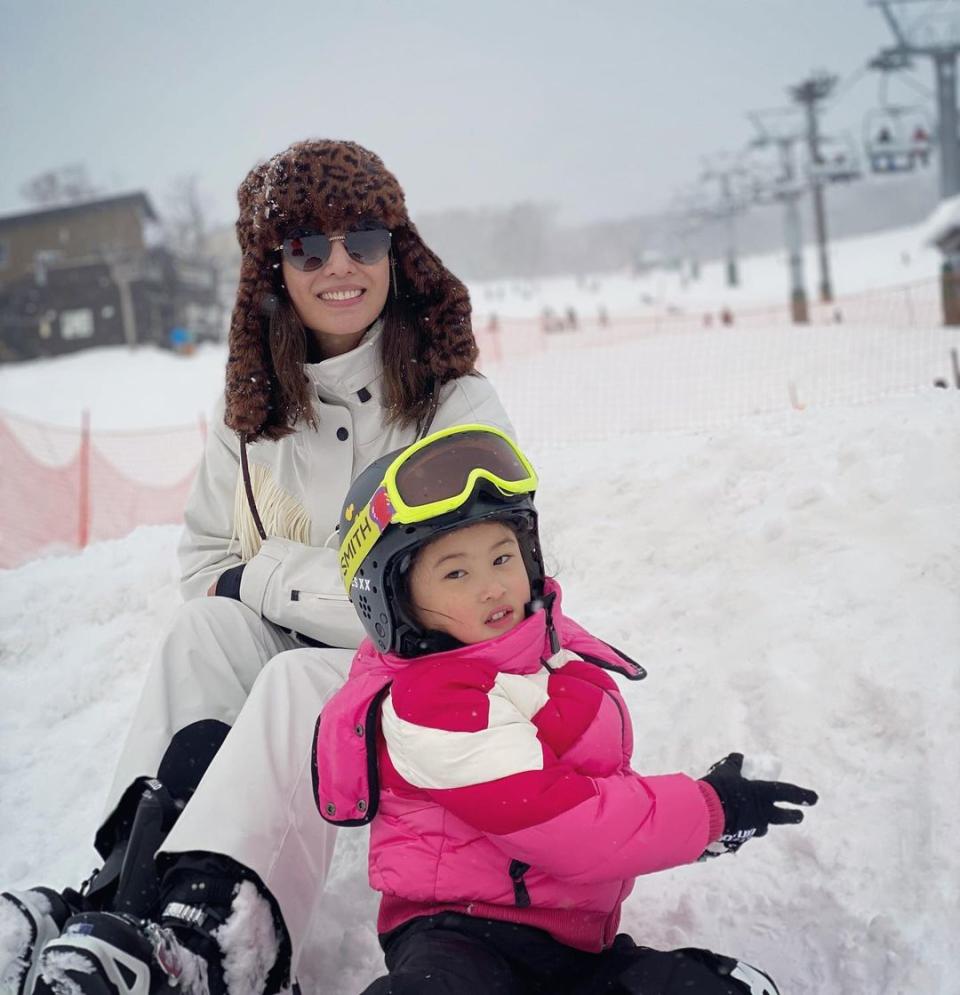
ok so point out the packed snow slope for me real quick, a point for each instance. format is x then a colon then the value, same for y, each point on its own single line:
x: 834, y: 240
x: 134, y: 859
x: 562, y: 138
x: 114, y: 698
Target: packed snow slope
x: 862, y: 263
x: 789, y: 574
x: 791, y: 583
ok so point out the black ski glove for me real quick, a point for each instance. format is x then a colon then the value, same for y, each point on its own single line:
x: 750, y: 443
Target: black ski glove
x: 228, y: 583
x: 749, y: 807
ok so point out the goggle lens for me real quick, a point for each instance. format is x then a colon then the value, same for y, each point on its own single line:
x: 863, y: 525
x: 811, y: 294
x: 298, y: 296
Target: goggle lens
x: 442, y: 470
x: 311, y: 250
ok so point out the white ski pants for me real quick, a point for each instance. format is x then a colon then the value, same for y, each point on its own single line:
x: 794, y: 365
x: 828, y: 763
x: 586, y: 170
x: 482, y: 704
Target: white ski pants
x: 255, y: 803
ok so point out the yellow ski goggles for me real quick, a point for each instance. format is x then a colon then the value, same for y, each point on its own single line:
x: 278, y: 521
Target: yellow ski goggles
x: 430, y: 478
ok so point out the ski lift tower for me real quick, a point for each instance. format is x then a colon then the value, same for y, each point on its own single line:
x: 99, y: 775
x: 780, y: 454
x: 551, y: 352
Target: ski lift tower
x: 810, y: 94
x: 727, y: 209
x: 690, y: 212
x: 935, y: 34
x: 785, y: 188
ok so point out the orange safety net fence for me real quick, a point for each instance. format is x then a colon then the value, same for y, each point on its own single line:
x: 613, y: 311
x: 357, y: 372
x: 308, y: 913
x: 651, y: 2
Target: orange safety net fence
x: 909, y: 305
x: 61, y: 488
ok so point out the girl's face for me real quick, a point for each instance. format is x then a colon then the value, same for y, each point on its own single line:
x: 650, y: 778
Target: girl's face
x: 471, y: 583
x: 340, y: 300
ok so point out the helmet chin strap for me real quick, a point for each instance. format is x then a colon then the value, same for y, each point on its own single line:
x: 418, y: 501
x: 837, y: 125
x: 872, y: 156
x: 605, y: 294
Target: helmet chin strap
x: 420, y: 640
x: 545, y: 602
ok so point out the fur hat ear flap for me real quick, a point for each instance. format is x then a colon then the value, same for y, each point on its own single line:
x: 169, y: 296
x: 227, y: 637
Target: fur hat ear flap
x: 250, y: 200
x: 248, y: 363
x: 440, y: 301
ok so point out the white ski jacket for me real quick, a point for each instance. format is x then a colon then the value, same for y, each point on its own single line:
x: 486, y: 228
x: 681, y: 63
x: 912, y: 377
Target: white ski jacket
x: 299, y: 484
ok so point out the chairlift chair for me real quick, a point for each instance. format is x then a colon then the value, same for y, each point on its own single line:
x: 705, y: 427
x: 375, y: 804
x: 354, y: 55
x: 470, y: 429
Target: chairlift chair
x: 839, y: 161
x: 897, y: 139
x: 774, y: 189
x: 762, y: 176
x: 769, y: 184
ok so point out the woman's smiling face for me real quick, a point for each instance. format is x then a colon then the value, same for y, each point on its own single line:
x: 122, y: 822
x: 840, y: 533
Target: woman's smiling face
x: 340, y: 300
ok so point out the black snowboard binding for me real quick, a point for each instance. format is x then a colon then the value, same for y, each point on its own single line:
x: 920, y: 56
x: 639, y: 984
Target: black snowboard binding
x: 127, y: 882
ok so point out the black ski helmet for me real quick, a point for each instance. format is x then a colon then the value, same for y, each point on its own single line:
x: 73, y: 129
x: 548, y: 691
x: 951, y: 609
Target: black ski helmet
x: 379, y: 584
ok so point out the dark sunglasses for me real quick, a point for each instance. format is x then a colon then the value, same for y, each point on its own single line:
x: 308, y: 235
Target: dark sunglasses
x: 308, y: 251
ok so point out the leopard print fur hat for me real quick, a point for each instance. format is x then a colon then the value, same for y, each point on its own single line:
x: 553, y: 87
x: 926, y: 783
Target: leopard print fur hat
x: 330, y: 186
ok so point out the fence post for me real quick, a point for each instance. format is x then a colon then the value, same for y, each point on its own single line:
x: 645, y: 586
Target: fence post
x: 83, y: 496
x: 950, y: 293
x: 911, y: 321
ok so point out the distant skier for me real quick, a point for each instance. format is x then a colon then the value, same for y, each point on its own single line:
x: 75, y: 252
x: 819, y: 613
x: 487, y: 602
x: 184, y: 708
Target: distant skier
x: 882, y: 159
x: 482, y: 736
x: 921, y: 145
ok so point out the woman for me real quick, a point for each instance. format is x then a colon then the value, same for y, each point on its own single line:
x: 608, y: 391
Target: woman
x: 349, y: 339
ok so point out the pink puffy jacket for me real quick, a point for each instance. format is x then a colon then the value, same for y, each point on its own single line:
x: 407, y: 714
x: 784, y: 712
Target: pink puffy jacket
x: 497, y: 778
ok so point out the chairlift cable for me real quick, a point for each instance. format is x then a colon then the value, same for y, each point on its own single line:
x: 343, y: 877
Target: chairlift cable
x: 849, y: 82
x: 924, y: 91
x: 923, y: 16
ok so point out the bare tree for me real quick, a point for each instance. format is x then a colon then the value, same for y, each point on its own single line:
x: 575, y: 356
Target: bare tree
x: 186, y: 218
x: 68, y: 184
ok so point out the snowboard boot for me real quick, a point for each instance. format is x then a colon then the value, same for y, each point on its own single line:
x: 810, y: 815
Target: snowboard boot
x: 109, y: 953
x: 28, y: 920
x: 754, y: 981
x: 197, y: 948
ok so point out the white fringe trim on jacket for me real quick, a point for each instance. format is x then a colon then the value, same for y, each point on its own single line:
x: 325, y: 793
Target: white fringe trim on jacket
x: 282, y: 514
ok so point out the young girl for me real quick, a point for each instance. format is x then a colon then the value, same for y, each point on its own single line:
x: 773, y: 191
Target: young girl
x: 482, y: 736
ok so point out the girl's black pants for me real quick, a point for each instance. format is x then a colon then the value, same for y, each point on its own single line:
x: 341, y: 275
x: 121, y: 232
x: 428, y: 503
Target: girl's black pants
x: 454, y: 954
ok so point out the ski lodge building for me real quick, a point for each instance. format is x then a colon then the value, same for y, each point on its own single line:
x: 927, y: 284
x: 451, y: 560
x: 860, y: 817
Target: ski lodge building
x: 95, y: 274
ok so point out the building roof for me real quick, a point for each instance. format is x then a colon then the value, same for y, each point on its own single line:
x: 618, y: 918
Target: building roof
x: 66, y: 211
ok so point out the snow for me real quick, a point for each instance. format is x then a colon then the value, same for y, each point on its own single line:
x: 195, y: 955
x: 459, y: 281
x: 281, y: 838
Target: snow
x: 789, y: 575
x: 15, y: 937
x: 59, y: 968
x: 123, y: 389
x: 249, y: 942
x: 942, y: 221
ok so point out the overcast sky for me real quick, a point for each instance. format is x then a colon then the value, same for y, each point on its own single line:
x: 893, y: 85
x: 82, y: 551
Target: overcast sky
x: 603, y: 108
